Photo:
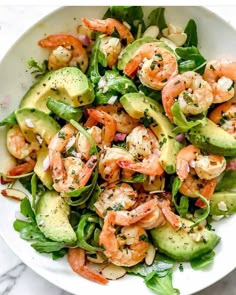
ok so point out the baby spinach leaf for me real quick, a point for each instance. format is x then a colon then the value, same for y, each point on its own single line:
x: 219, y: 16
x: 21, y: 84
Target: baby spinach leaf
x: 191, y: 60
x: 203, y: 260
x: 191, y: 31
x: 133, y: 15
x: 181, y: 121
x: 9, y: 120
x: 157, y: 18
x: 64, y: 110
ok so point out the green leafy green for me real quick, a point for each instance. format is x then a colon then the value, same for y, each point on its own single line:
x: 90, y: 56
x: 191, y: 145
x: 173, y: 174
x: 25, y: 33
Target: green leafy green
x: 34, y: 189
x: 137, y: 178
x: 9, y: 120
x: 39, y: 70
x: 133, y: 15
x: 154, y: 94
x: 183, y: 206
x: 227, y: 182
x: 30, y: 231
x: 191, y: 60
x: 94, y: 197
x: 202, y: 261
x: 158, y: 276
x: 97, y: 60
x: 64, y: 110
x: 191, y: 31
x: 182, y: 123
x: 114, y: 85
x: 201, y: 214
x: 157, y: 18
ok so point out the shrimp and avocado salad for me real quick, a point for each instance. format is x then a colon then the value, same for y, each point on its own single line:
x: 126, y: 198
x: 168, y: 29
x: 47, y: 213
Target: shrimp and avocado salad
x: 126, y: 145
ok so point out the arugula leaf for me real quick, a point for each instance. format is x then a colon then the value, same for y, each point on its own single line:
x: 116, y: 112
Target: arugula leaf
x: 191, y: 31
x: 26, y: 210
x: 133, y: 15
x: 203, y: 260
x: 201, y: 214
x: 94, y: 197
x: 183, y: 206
x: 138, y: 178
x: 114, y: 85
x: 158, y: 276
x: 154, y: 94
x: 64, y: 110
x: 34, y: 189
x: 48, y: 246
x: 161, y: 285
x: 176, y: 184
x: 191, y: 60
x: 157, y: 18
x: 182, y: 123
x: 97, y: 59
x: 10, y: 120
x: 39, y: 70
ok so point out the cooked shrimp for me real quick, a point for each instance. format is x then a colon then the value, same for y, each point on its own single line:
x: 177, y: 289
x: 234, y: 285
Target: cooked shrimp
x: 157, y: 65
x: 115, y: 197
x: 127, y: 248
x: 111, y: 47
x: 206, y: 167
x: 193, y: 185
x: 67, y: 50
x: 68, y: 173
x: 124, y: 123
x: 17, y: 145
x: 109, y: 26
x: 221, y: 74
x: 109, y: 128
x: 77, y: 261
x: 194, y: 94
x: 225, y: 116
x: 109, y: 168
x: 143, y: 144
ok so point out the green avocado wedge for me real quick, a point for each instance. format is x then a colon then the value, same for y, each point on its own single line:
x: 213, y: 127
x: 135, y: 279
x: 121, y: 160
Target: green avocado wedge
x: 139, y: 106
x: 68, y: 85
x: 52, y: 217
x: 180, y: 245
x: 212, y: 138
x: 225, y: 201
x: 33, y: 122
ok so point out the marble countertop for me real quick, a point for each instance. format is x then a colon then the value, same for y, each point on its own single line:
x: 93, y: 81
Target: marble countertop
x: 15, y: 277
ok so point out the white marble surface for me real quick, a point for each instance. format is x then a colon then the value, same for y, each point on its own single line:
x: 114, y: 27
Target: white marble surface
x: 15, y: 277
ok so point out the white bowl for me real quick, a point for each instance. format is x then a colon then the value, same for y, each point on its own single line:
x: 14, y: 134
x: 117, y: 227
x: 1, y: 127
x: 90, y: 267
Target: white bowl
x: 216, y: 39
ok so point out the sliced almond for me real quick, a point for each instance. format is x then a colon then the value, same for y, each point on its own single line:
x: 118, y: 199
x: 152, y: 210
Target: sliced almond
x: 98, y: 267
x: 13, y: 194
x: 174, y: 29
x: 97, y: 259
x: 152, y: 31
x: 151, y: 252
x: 178, y: 39
x: 165, y: 32
x: 113, y: 272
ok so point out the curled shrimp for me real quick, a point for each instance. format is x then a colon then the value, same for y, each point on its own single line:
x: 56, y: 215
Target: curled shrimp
x: 156, y: 65
x: 127, y: 248
x: 206, y: 166
x: 194, y: 94
x: 109, y: 26
x: 143, y: 144
x: 67, y: 50
x: 109, y: 168
x: 225, y: 116
x: 115, y: 197
x: 109, y: 128
x: 221, y: 74
x: 77, y: 261
x: 111, y: 47
x: 68, y: 173
x: 124, y: 123
x: 17, y: 145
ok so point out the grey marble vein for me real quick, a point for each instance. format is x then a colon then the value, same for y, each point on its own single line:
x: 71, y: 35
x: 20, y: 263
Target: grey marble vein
x: 9, y: 279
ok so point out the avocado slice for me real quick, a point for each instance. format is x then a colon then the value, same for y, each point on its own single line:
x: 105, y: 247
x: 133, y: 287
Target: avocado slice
x: 212, y: 138
x: 180, y: 245
x: 228, y: 199
x: 44, y: 176
x: 130, y: 50
x: 52, y: 217
x: 34, y: 122
x: 138, y: 106
x: 68, y: 85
